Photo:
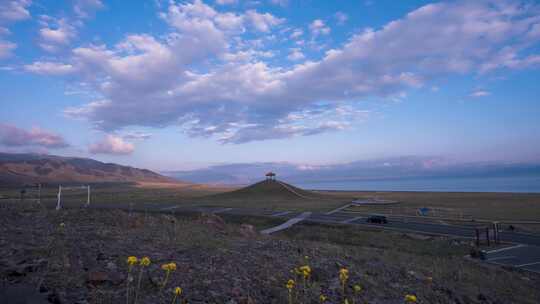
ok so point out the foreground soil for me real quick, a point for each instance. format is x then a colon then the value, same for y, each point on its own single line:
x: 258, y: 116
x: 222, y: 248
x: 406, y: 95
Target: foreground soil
x: 79, y: 256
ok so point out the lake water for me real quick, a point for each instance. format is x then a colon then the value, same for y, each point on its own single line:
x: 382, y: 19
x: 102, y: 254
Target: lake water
x: 520, y: 184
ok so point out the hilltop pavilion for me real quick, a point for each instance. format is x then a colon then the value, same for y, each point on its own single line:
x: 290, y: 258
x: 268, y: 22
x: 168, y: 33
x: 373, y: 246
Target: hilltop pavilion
x: 270, y: 176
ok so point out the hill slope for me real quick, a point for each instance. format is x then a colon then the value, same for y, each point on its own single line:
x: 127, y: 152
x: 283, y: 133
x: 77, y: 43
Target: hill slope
x: 33, y: 168
x: 271, y: 191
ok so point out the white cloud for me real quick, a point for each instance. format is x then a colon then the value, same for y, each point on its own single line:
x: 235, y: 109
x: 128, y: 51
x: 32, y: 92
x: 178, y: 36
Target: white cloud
x: 49, y: 68
x: 213, y: 81
x: 84, y: 8
x: 4, y: 31
x: 341, y: 18
x: 296, y: 34
x: 263, y: 22
x: 55, y: 34
x: 296, y: 54
x: 318, y: 27
x: 479, y: 93
x: 225, y: 2
x: 111, y: 145
x: 11, y: 11
x: 6, y: 48
x: 280, y: 2
x: 14, y: 10
x: 137, y: 136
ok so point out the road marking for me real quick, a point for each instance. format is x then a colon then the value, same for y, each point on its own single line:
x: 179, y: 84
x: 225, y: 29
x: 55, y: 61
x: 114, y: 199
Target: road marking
x: 170, y: 208
x: 281, y: 213
x: 287, y: 224
x: 338, y: 209
x: 528, y: 264
x: 222, y: 210
x: 350, y: 220
x: 500, y: 258
x: 504, y: 249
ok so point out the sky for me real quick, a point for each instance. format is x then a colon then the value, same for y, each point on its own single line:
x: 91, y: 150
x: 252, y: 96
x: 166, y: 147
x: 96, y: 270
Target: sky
x: 177, y: 85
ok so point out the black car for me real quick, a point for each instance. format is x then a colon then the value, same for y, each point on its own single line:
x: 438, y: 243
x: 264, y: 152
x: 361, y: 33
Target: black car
x: 377, y: 219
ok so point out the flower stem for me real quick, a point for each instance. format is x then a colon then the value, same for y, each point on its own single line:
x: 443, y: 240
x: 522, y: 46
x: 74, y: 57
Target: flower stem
x: 165, y: 281
x: 138, y: 285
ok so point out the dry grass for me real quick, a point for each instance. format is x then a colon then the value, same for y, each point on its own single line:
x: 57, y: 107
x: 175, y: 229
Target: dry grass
x: 217, y: 265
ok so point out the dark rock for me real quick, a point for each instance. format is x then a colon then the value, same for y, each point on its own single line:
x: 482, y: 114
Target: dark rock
x: 247, y: 231
x: 213, y: 221
x: 482, y: 297
x: 97, y: 277
x: 56, y: 298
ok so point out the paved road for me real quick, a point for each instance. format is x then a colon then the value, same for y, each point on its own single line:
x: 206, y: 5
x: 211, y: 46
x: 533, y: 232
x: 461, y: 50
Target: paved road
x: 354, y: 219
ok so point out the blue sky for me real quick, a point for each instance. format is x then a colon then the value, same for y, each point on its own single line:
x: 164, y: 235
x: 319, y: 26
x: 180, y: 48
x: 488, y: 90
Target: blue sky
x: 172, y: 85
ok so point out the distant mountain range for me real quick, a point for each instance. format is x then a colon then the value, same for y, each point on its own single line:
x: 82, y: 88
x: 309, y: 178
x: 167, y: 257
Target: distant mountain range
x: 379, y: 169
x: 34, y: 168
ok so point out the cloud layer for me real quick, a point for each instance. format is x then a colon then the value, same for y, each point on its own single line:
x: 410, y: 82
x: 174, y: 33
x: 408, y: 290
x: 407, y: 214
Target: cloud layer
x: 12, y: 136
x: 211, y: 75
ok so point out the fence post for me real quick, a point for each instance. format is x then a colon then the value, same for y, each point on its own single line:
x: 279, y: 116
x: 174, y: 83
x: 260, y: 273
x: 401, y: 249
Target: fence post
x: 487, y: 235
x: 88, y: 197
x: 58, y: 206
x: 39, y: 193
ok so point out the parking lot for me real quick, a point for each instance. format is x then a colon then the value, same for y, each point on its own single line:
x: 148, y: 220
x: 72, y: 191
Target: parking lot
x: 524, y: 257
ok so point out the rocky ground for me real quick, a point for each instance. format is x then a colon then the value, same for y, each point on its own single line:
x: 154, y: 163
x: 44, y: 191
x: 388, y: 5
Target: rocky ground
x: 79, y: 256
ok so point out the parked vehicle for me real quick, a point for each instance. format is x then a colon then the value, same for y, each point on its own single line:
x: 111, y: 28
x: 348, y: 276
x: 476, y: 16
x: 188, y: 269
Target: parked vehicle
x: 377, y: 219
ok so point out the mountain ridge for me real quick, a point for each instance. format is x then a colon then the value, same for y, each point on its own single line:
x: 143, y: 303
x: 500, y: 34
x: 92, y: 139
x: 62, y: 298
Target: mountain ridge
x: 21, y: 168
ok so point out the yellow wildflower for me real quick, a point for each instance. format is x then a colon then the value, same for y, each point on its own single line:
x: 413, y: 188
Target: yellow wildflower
x: 169, y: 266
x: 343, y: 275
x: 290, y: 285
x: 305, y: 270
x: 178, y: 291
x: 132, y: 260
x: 145, y: 261
x: 346, y: 301
x: 323, y: 298
x: 357, y: 288
x: 410, y: 298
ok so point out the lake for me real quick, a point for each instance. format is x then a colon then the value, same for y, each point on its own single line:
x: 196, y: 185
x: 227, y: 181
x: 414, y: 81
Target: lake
x: 518, y: 184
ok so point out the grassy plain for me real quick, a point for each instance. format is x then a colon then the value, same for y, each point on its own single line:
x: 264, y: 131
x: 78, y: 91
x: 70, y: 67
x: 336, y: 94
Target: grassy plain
x: 490, y: 206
